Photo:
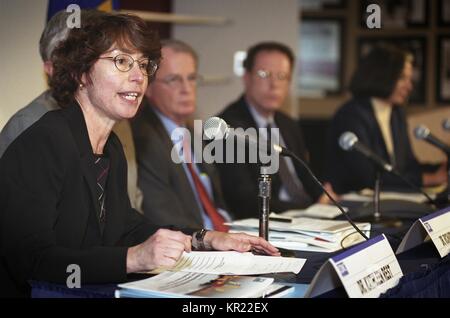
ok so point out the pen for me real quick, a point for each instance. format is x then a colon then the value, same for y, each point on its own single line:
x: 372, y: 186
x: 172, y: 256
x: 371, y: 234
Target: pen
x: 273, y: 218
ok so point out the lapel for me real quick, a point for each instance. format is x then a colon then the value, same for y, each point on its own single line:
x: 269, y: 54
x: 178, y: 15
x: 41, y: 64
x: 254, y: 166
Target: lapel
x: 114, y: 221
x: 378, y: 141
x: 399, y: 140
x: 248, y: 121
x: 176, y: 171
x: 245, y: 118
x: 79, y: 131
x: 288, y: 137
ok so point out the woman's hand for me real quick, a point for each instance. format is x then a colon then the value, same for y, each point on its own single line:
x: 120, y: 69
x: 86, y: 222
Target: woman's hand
x: 164, y: 248
x: 238, y: 242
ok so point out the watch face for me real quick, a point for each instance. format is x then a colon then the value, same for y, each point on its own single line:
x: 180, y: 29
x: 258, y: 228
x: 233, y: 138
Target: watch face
x: 199, y: 235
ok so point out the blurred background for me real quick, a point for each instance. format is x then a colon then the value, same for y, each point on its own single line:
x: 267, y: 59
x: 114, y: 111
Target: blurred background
x: 328, y: 37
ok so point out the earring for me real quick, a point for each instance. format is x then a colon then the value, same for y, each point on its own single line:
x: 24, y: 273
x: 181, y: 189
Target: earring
x: 81, y: 86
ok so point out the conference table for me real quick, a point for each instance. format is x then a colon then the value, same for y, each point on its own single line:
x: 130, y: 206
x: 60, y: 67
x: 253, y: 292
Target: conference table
x: 410, y: 261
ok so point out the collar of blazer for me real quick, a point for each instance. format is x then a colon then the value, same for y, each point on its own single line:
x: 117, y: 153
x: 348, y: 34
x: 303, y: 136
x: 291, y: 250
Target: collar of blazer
x: 78, y: 128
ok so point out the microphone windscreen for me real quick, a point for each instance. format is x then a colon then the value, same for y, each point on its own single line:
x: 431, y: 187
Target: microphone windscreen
x: 421, y: 132
x: 215, y: 128
x: 347, y: 140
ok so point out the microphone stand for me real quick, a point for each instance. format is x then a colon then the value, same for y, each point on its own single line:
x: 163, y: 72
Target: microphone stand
x: 376, y: 218
x: 376, y: 198
x: 265, y: 188
x: 448, y: 178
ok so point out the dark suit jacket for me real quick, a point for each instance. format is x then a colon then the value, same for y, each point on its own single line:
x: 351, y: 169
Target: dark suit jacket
x: 48, y: 207
x: 240, y: 180
x: 168, y: 195
x: 350, y: 171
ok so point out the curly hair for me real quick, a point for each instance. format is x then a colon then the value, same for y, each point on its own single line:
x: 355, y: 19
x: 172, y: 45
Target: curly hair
x: 98, y: 33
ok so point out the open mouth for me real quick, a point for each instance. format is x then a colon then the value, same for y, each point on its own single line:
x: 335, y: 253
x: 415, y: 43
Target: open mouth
x: 131, y: 96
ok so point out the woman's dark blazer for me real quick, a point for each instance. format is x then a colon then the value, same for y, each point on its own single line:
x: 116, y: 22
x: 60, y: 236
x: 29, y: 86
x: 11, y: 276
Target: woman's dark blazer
x: 351, y: 171
x: 48, y: 207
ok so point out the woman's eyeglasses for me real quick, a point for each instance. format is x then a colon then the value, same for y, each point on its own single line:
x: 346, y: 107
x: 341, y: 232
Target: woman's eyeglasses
x: 125, y: 62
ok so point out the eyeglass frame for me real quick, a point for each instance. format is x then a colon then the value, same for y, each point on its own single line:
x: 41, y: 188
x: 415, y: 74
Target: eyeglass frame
x: 130, y: 66
x: 178, y: 80
x: 265, y: 75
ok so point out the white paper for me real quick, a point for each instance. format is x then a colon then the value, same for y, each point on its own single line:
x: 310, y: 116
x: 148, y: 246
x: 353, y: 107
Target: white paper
x: 308, y: 226
x: 438, y: 228
x: 367, y: 196
x: 185, y: 284
x: 321, y: 211
x: 235, y: 263
x: 370, y: 271
x: 302, y: 242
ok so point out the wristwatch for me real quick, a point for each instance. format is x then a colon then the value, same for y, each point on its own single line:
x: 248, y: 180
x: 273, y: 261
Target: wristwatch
x: 198, y: 242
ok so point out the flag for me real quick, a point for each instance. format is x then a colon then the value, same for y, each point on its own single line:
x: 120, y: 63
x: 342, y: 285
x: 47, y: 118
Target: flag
x: 103, y: 5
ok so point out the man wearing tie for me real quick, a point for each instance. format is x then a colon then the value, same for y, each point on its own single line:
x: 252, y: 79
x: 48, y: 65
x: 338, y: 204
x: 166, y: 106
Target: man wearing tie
x: 267, y: 78
x: 186, y: 194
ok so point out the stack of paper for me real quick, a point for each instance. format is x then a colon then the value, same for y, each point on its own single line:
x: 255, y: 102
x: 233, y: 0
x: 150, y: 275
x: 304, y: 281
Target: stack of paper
x: 320, y: 211
x: 367, y: 196
x: 185, y: 284
x: 307, y: 234
x: 215, y: 274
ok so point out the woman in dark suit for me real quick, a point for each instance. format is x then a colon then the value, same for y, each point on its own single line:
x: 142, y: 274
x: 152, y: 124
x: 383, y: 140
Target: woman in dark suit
x: 380, y: 87
x: 63, y: 197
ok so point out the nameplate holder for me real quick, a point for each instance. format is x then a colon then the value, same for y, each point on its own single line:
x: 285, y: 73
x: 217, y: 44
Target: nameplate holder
x: 434, y: 227
x: 365, y: 271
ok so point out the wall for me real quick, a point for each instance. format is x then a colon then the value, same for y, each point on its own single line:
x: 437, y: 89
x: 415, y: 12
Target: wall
x: 324, y: 108
x: 22, y: 77
x: 251, y: 21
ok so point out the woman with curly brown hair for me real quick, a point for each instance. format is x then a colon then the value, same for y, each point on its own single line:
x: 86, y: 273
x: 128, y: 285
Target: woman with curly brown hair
x: 63, y: 197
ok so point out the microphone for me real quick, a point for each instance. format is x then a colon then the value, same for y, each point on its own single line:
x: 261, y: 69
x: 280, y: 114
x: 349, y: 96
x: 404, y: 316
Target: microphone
x: 446, y: 124
x: 217, y: 128
x: 422, y: 132
x: 349, y: 141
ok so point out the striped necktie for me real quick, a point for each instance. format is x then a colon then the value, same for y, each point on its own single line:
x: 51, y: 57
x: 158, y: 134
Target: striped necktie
x: 102, y: 169
x: 291, y: 183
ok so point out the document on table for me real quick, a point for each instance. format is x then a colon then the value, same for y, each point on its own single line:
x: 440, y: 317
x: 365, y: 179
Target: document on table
x: 321, y: 211
x: 307, y: 226
x: 366, y: 195
x: 235, y: 263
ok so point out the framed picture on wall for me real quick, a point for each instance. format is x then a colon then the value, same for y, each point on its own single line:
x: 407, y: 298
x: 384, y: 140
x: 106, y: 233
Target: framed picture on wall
x: 443, y: 70
x: 416, y: 46
x: 319, y: 62
x: 444, y: 13
x: 314, y: 5
x: 398, y: 14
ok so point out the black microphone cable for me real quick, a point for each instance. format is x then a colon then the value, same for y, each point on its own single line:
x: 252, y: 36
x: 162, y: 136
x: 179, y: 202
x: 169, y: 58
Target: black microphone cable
x: 348, y: 141
x: 289, y: 153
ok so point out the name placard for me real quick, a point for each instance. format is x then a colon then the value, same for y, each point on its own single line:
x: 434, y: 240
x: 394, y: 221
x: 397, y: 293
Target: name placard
x: 435, y: 226
x: 365, y: 271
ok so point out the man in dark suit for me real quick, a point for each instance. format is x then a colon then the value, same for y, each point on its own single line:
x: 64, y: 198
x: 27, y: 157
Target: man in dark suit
x: 183, y: 194
x: 268, y: 73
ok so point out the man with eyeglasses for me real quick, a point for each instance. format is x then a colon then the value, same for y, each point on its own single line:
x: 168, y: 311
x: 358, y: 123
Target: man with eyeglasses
x: 268, y: 72
x: 186, y: 194
x: 56, y: 31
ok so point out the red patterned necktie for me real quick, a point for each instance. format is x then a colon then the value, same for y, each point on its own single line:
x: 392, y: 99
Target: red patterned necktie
x: 208, y: 206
